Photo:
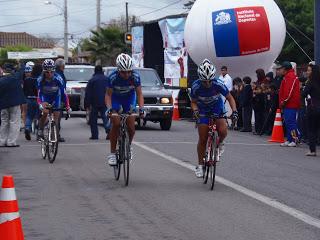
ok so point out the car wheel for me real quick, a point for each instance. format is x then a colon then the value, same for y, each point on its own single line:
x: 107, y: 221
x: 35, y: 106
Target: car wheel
x: 165, y: 124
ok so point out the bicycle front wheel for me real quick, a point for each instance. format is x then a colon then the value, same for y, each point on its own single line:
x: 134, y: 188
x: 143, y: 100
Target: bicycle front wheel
x: 117, y: 168
x: 53, y: 142
x: 126, y: 160
x: 213, y: 157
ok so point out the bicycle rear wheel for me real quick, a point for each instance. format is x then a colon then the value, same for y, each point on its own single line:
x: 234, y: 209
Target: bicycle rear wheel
x: 126, y: 160
x: 213, y: 157
x: 117, y: 168
x: 53, y: 143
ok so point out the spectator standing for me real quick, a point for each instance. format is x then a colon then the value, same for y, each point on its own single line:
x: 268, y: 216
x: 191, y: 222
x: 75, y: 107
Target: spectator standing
x: 312, y: 92
x: 269, y: 78
x: 279, y: 77
x: 11, y: 97
x: 302, y: 114
x: 225, y: 77
x: 258, y: 103
x: 95, y: 102
x: 261, y: 77
x: 271, y: 109
x: 30, y: 93
x: 289, y: 101
x: 237, y: 87
x: 60, y: 65
x: 246, y: 104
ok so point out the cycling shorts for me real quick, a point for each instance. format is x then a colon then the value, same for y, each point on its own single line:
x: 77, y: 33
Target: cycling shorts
x: 126, y: 103
x: 55, y: 101
x: 220, y: 113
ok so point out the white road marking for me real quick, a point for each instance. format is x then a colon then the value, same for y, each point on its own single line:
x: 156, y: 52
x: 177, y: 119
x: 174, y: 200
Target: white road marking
x: 261, y: 198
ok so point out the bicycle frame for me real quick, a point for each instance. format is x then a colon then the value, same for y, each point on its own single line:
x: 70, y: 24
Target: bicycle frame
x: 212, y: 138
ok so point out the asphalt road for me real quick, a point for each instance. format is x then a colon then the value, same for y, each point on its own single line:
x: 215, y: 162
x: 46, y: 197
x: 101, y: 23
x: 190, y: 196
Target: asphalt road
x: 264, y: 191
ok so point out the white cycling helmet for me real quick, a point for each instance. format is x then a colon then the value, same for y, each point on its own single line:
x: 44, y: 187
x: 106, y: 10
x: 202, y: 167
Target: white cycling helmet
x: 30, y: 64
x: 124, y: 62
x: 206, y: 70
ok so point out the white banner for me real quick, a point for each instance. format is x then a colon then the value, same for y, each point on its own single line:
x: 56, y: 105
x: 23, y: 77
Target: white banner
x: 32, y: 55
x: 175, y: 63
x: 173, y: 32
x: 137, y: 59
x: 137, y: 46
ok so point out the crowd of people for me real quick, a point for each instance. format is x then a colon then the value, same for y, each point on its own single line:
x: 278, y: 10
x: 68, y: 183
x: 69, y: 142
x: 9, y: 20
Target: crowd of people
x: 297, y: 97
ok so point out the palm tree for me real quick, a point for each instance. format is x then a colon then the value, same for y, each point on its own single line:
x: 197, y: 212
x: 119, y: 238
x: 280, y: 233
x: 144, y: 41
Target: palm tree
x: 105, y: 45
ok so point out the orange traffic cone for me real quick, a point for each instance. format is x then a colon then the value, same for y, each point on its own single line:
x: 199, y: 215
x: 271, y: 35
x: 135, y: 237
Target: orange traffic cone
x: 10, y: 223
x: 277, y: 132
x: 176, y: 114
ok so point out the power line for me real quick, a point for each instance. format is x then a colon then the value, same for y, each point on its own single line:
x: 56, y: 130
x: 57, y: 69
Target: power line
x: 34, y: 20
x: 299, y: 46
x: 159, y: 9
x: 302, y: 33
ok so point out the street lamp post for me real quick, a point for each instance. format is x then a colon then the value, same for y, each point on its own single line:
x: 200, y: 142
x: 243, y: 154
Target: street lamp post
x: 65, y: 15
x: 317, y: 31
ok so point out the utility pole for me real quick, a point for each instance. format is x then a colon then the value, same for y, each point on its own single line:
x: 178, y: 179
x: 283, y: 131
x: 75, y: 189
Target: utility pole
x: 127, y: 17
x: 317, y: 31
x: 98, y: 14
x: 65, y: 13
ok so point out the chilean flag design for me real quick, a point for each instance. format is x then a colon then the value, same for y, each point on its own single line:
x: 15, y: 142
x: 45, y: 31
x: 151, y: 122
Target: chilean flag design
x: 241, y: 31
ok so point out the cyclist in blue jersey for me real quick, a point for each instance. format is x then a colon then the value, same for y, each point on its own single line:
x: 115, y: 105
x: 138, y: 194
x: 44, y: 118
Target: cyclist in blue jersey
x: 50, y: 91
x: 123, y: 90
x: 207, y: 101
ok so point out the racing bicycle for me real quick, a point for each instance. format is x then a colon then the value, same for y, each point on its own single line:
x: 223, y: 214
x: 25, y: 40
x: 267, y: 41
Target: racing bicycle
x: 123, y: 152
x: 50, y: 141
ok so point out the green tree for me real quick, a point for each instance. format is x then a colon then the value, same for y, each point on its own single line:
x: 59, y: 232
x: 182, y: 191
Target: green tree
x: 299, y: 17
x: 105, y: 44
x: 4, y: 52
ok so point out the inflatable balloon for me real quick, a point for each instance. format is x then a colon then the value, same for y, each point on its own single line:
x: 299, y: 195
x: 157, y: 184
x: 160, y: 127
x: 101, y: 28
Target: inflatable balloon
x: 243, y: 35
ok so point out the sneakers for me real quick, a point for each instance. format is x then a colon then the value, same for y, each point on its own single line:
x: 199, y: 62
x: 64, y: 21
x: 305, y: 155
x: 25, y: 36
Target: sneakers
x: 27, y: 134
x: 285, y: 144
x: 311, y: 154
x: 292, y: 144
x: 112, y: 159
x: 199, y: 171
x: 288, y: 144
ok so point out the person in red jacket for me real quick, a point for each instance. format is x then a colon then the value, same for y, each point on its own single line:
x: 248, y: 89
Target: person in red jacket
x: 289, y: 101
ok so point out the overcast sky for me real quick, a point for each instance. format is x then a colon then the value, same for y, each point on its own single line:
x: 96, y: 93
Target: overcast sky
x: 82, y: 14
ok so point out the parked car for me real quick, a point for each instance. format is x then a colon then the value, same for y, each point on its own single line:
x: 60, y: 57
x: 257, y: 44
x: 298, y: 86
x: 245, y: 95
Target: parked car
x: 77, y: 78
x: 158, y: 102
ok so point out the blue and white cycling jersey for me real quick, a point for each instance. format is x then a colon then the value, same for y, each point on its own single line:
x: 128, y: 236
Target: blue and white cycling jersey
x: 52, y: 91
x: 209, y: 100
x: 123, y: 91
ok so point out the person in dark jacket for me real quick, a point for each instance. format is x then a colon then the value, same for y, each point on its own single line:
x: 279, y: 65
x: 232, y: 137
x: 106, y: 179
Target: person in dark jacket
x: 30, y: 92
x: 237, y: 86
x: 246, y: 104
x: 271, y: 109
x: 258, y: 104
x: 312, y: 93
x: 11, y: 97
x: 60, y: 65
x: 95, y: 102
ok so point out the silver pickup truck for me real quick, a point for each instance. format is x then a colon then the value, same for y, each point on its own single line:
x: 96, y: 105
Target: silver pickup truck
x: 158, y: 102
